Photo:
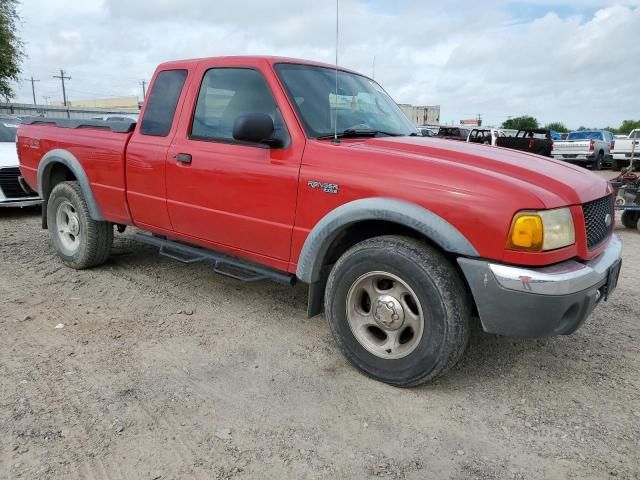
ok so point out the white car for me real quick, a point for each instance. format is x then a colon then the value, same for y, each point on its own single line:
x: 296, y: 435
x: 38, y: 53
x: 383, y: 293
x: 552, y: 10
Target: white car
x: 14, y: 192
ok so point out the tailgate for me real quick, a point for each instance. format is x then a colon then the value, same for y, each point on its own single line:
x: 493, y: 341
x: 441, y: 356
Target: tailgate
x: 571, y: 149
x: 625, y: 146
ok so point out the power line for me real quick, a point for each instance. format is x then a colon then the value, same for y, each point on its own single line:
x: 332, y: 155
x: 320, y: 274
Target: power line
x: 33, y: 87
x: 64, y: 93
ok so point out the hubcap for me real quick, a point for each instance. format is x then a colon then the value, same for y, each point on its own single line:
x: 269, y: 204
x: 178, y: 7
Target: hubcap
x: 388, y: 312
x: 68, y: 226
x: 384, y: 315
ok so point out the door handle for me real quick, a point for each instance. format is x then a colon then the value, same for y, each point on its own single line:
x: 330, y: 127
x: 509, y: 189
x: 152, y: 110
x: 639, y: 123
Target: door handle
x: 183, y: 158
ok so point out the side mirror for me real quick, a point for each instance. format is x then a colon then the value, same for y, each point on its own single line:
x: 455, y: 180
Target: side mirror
x: 255, y: 128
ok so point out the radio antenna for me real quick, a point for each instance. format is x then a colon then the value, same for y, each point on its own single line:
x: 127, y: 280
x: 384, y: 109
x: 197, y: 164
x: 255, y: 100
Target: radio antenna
x: 335, y: 116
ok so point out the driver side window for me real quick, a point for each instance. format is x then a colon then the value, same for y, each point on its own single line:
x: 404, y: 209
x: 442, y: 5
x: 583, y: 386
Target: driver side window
x: 226, y: 94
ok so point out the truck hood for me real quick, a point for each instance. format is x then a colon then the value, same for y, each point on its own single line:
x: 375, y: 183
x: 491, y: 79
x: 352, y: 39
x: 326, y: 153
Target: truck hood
x: 8, y: 155
x: 555, y: 183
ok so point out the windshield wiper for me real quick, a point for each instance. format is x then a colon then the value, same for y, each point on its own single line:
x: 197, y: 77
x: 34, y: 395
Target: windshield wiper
x: 359, y: 132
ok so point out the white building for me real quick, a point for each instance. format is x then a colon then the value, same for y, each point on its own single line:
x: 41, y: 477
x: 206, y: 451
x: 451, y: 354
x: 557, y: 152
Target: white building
x: 422, y: 115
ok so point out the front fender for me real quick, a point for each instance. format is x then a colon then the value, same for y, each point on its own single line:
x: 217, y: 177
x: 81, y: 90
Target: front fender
x: 432, y: 226
x: 59, y: 156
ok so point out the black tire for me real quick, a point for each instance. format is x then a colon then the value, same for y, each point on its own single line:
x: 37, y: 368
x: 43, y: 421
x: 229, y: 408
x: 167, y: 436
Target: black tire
x: 615, y: 165
x: 597, y: 163
x: 91, y: 244
x: 630, y: 218
x: 439, y: 290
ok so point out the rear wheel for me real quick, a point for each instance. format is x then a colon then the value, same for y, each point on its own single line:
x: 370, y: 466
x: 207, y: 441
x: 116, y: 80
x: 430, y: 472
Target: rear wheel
x: 630, y: 218
x: 80, y: 241
x: 398, y: 310
x: 597, y: 163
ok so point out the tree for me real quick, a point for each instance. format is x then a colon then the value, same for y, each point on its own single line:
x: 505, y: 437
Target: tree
x: 521, y: 123
x: 627, y: 126
x: 11, y: 53
x: 556, y: 127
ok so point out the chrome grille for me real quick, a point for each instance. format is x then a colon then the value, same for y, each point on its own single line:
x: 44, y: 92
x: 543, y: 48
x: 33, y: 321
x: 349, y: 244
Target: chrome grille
x: 595, y: 214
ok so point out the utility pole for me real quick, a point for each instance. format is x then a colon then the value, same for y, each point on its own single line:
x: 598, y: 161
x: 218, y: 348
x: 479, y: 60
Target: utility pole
x: 46, y: 99
x: 64, y: 92
x: 33, y: 87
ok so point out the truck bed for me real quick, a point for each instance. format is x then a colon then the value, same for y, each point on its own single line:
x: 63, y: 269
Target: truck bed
x: 532, y: 145
x: 100, y: 148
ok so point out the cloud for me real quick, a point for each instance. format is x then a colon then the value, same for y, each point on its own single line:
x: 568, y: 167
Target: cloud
x: 571, y: 60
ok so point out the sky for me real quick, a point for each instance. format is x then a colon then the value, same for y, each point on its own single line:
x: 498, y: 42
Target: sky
x: 574, y: 61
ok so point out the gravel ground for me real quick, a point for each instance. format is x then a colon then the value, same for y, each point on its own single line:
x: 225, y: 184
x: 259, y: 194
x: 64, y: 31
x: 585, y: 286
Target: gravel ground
x: 149, y: 369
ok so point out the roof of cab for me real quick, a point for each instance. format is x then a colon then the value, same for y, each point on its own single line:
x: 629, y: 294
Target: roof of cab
x: 248, y: 59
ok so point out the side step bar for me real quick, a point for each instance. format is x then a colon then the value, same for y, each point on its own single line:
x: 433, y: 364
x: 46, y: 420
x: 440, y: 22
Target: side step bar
x: 223, y: 264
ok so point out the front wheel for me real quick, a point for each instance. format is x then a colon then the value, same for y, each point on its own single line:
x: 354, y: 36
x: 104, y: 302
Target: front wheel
x: 80, y: 241
x: 398, y: 309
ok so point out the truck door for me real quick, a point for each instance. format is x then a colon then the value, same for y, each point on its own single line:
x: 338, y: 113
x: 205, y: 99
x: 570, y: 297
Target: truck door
x: 147, y: 152
x: 232, y: 194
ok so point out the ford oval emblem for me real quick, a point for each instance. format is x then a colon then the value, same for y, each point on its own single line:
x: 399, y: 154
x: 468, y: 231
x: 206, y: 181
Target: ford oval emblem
x: 607, y: 219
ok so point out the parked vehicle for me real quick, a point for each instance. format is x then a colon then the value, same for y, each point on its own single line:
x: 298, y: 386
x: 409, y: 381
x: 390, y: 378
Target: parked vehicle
x: 256, y: 165
x: 427, y: 132
x: 532, y: 140
x: 623, y: 148
x: 555, y: 135
x: 485, y: 136
x: 626, y: 189
x: 585, y: 147
x: 454, y: 133
x: 14, y: 192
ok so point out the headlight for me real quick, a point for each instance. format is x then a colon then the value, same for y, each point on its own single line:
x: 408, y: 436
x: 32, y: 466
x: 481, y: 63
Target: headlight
x: 542, y: 230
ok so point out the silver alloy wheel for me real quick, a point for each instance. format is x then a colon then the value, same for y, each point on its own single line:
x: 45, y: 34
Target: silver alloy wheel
x: 68, y: 226
x: 385, y: 315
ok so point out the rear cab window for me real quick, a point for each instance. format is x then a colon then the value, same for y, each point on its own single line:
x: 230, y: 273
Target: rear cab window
x: 162, y: 102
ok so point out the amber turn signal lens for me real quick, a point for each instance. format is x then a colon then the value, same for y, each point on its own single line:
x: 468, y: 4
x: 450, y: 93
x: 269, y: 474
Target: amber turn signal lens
x: 526, y: 233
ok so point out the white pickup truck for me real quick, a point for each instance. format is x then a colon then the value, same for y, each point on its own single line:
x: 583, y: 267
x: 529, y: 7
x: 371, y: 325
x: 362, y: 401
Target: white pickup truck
x: 623, y: 149
x: 585, y: 147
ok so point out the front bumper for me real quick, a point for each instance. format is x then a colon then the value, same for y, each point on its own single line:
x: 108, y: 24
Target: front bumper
x: 537, y: 302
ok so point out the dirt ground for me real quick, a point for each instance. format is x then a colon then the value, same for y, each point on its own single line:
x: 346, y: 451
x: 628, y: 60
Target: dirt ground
x: 167, y: 371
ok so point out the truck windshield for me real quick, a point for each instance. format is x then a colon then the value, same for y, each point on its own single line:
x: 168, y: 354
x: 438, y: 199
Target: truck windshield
x: 585, y: 135
x: 8, y: 130
x: 360, y: 105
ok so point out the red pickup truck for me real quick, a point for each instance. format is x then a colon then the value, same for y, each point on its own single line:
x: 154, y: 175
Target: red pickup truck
x: 260, y: 166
